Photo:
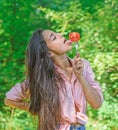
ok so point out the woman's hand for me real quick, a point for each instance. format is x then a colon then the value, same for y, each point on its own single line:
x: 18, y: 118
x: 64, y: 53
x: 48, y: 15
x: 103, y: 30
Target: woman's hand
x: 78, y: 66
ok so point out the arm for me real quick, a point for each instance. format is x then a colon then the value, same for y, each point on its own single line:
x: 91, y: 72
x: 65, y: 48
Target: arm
x: 17, y: 104
x: 92, y: 95
x: 16, y: 97
x: 86, y: 77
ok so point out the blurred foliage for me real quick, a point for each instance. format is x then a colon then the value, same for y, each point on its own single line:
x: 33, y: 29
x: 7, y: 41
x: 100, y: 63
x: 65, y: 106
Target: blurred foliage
x: 95, y: 20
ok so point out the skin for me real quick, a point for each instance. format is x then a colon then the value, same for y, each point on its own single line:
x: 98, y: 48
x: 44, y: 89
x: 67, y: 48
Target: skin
x: 55, y: 42
x: 57, y: 50
x: 57, y: 47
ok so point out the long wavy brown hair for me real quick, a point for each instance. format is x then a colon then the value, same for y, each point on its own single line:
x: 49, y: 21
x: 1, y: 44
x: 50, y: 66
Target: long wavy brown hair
x: 44, y: 91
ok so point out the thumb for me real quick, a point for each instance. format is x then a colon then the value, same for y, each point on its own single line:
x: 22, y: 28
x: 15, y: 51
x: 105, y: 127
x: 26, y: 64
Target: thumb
x: 77, y: 56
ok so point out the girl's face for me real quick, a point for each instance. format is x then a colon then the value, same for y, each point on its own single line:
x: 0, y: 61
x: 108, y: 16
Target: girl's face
x: 56, y: 42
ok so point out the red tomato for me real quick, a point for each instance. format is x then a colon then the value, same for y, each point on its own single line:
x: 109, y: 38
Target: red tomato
x: 74, y: 36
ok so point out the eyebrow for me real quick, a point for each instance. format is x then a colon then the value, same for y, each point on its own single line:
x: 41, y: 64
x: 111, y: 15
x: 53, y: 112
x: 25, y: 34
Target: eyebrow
x: 50, y: 35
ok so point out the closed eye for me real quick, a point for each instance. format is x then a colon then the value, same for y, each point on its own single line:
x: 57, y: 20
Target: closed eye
x: 53, y: 38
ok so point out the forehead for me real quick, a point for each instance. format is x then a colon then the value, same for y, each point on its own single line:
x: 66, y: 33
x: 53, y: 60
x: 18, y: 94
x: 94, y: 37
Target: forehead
x: 46, y: 34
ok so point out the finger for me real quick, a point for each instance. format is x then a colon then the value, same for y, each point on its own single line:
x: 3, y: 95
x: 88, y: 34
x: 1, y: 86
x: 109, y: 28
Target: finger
x: 77, y: 60
x: 77, y: 56
x: 79, y: 66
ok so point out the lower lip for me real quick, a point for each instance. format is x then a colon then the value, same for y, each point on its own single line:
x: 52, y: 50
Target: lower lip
x: 69, y: 43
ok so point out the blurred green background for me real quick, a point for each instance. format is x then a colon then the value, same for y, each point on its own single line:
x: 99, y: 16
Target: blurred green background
x: 95, y: 20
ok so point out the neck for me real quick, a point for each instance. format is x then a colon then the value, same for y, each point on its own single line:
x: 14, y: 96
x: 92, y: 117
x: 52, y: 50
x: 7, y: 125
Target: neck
x: 61, y: 61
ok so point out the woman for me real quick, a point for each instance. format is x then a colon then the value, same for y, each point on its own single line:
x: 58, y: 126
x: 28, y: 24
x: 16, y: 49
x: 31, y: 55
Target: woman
x: 58, y: 87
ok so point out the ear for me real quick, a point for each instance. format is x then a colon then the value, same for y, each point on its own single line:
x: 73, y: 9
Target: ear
x: 51, y: 54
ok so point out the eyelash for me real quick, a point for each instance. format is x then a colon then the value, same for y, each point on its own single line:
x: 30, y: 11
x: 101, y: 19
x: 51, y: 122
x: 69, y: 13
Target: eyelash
x: 54, y: 38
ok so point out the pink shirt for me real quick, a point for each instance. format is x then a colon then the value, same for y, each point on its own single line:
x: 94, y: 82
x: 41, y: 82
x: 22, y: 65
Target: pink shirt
x: 73, y: 104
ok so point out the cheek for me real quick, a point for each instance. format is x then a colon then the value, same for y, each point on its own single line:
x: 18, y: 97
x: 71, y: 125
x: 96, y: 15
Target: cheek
x: 56, y: 49
x: 53, y: 46
x: 59, y: 48
x: 49, y: 46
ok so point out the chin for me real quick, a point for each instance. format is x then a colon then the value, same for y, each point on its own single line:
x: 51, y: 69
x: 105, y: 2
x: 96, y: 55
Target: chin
x: 70, y: 48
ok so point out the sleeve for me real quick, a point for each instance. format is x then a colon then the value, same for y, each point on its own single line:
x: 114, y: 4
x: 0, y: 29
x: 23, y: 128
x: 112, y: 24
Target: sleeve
x: 90, y: 76
x: 19, y: 92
